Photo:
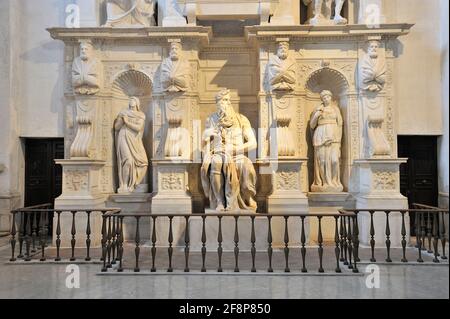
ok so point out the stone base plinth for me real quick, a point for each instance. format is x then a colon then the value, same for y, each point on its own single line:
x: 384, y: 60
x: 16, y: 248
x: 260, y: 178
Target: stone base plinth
x: 171, y: 188
x: 379, y: 188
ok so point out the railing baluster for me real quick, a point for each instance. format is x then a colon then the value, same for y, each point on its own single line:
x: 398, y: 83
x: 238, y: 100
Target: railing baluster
x: 303, y: 241
x: 104, y: 241
x: 153, y: 244
x: 388, y: 238
x: 42, y: 235
x: 356, y: 238
x: 423, y: 227
x: 320, y: 242
x: 341, y: 241
x: 436, y: 237
x: 419, y: 217
x: 21, y: 234
x: 170, y: 249
x: 187, y: 244
x: 253, y: 240
x: 13, y: 238
x: 203, y: 243
x: 28, y: 238
x: 429, y: 232
x: 34, y: 228
x: 137, y: 249
x: 355, y: 249
x: 117, y: 239
x: 350, y: 243
x: 219, y: 248
x: 120, y: 249
x: 109, y: 242
x: 269, y: 241
x: 345, y: 241
x: 113, y: 241
x: 372, y: 237
x: 58, y: 236
x: 286, y: 244
x: 443, y: 236
x: 336, y: 240
x: 73, y: 232
x: 404, y: 260
x: 88, y: 236
x: 236, y: 244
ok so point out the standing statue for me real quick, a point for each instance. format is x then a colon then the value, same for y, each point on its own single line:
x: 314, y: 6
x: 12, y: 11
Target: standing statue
x: 327, y: 122
x: 281, y: 69
x: 132, y: 159
x: 130, y: 13
x: 175, y: 70
x: 228, y: 176
x: 85, y: 73
x: 373, y: 69
x: 322, y: 12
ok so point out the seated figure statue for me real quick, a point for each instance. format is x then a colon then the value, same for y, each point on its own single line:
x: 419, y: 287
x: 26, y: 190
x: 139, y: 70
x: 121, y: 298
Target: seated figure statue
x: 322, y: 12
x: 228, y: 176
x: 130, y: 13
x: 175, y: 70
x: 281, y: 69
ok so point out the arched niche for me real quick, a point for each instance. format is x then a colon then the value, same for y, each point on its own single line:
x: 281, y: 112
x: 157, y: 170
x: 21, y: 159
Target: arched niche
x: 127, y: 84
x: 332, y: 80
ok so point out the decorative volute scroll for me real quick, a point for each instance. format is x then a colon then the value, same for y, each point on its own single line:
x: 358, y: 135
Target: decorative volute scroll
x: 132, y: 83
x: 175, y: 138
x: 285, y: 140
x: 85, y: 71
x: 378, y: 144
x: 281, y: 69
x: 175, y: 70
x: 130, y: 13
x: 81, y: 145
x: 320, y: 12
x: 373, y: 69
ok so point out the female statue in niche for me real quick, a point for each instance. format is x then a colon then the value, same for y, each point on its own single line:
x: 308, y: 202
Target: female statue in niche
x: 327, y: 122
x: 131, y: 156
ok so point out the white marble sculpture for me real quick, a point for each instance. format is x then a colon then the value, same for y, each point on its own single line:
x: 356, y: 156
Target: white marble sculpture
x: 281, y: 69
x: 172, y: 16
x: 373, y: 69
x: 132, y: 159
x: 327, y: 123
x: 85, y: 71
x: 378, y: 144
x: 228, y: 176
x: 130, y: 13
x: 322, y: 12
x: 175, y: 70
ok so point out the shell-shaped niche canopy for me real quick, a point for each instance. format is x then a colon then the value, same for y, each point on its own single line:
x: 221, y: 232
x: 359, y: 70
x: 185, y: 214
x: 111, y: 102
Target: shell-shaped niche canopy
x: 327, y: 79
x: 132, y: 83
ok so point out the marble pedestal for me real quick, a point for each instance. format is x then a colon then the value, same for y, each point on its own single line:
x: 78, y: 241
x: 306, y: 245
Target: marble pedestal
x: 132, y: 203
x: 170, y: 179
x: 287, y: 193
x: 379, y: 188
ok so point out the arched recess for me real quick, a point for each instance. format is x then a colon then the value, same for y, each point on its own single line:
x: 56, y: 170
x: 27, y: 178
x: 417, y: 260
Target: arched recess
x: 332, y: 80
x: 134, y: 83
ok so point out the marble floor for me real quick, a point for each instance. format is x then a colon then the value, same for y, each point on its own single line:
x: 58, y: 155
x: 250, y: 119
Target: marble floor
x: 49, y: 281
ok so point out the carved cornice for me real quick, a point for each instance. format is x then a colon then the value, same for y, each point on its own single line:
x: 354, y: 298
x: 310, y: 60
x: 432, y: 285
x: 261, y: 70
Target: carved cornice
x: 153, y: 34
x: 356, y: 32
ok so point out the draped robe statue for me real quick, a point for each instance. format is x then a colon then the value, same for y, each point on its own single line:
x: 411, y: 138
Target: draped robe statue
x: 228, y: 176
x: 132, y: 159
x: 281, y: 69
x: 130, y: 13
x: 327, y: 123
x: 85, y: 73
x: 175, y: 70
x: 373, y: 69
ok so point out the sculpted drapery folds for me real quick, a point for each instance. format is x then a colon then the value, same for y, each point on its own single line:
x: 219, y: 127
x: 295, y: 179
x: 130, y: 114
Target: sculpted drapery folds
x: 175, y: 70
x: 228, y: 176
x: 85, y: 72
x: 327, y: 123
x: 132, y: 159
x: 373, y: 69
x: 281, y: 69
x: 323, y: 10
x: 126, y: 13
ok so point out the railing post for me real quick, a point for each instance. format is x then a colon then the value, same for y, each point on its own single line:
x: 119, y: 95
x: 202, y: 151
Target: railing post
x: 58, y: 235
x: 404, y: 260
x: 104, y: 240
x: 42, y: 235
x: 203, y: 243
x: 137, y: 249
x: 34, y: 227
x: 219, y: 248
x: 372, y: 237
x: 13, y: 237
x: 153, y: 244
x: 109, y: 242
x: 436, y: 237
x: 419, y: 217
x: 356, y: 238
x: 187, y: 244
x: 303, y: 241
x: 286, y: 243
x: 336, y: 240
x: 443, y: 238
x: 170, y: 249
x: 28, y: 238
x: 320, y: 242
x: 120, y: 250
x: 269, y: 241
x: 236, y: 244
x: 253, y: 249
x: 88, y: 236
x: 429, y: 232
x: 73, y: 232
x: 21, y: 234
x: 388, y: 238
x: 350, y: 243
x: 113, y: 240
x: 355, y: 252
x: 344, y: 236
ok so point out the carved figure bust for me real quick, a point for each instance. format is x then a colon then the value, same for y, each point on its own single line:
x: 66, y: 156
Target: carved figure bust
x: 85, y: 73
x: 373, y: 69
x: 175, y: 70
x: 281, y: 69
